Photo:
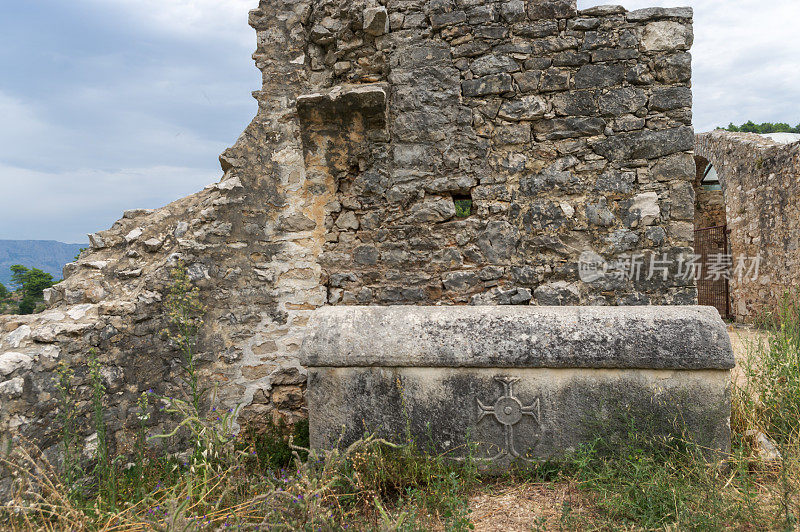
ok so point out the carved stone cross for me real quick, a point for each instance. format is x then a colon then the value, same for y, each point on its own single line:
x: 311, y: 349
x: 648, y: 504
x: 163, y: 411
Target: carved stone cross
x: 508, y: 411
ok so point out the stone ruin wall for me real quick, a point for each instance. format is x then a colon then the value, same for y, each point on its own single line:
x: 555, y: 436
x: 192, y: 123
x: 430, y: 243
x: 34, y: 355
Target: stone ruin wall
x: 569, y: 131
x: 709, y: 204
x: 761, y: 185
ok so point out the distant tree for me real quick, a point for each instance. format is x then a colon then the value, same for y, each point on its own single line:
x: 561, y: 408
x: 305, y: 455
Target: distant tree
x: 18, y: 273
x: 3, y: 291
x: 750, y: 127
x: 31, y: 281
x: 36, y: 282
x: 766, y: 127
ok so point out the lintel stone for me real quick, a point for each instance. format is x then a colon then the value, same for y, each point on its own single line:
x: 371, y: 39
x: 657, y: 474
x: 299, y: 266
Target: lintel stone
x: 678, y: 338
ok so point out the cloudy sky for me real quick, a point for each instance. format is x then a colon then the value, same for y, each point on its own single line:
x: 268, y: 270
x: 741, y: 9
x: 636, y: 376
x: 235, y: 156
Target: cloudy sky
x: 107, y: 105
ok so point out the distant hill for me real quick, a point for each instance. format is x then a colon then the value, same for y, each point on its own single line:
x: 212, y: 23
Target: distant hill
x: 46, y: 255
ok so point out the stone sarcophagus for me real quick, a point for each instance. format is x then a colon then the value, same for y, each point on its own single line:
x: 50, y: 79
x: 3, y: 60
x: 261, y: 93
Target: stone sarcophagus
x: 517, y: 384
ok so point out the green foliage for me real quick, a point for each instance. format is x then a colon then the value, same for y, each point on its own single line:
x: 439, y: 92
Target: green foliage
x: 211, y: 434
x: 18, y: 273
x: 654, y: 485
x: 143, y: 417
x: 31, y: 283
x: 463, y: 208
x: 27, y: 305
x: 4, y: 293
x: 766, y: 127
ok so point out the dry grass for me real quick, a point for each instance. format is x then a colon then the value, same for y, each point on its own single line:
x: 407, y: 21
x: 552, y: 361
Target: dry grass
x: 515, y: 506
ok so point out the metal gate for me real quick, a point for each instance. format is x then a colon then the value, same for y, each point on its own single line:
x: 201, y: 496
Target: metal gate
x: 710, y: 244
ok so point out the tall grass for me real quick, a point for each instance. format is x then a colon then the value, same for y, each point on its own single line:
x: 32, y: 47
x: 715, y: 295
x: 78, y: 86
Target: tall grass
x: 771, y: 398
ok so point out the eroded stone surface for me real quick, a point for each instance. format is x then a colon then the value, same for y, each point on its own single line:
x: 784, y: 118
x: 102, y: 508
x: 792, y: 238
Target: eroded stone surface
x: 544, y: 413
x: 690, y: 338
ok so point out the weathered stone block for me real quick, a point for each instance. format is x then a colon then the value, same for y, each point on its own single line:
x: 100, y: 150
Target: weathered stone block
x: 439, y: 21
x: 647, y: 144
x: 599, y: 214
x: 583, y: 23
x: 578, y: 103
x: 479, y: 15
x: 682, y: 198
x: 471, y: 49
x: 460, y: 281
x: 528, y: 81
x: 519, y: 383
x: 671, y: 98
x: 603, y: 11
x: 615, y: 181
x: 655, y: 13
x: 493, y: 64
x: 568, y: 128
x: 513, y: 11
x: 676, y: 68
x: 646, y: 209
x: 538, y: 29
x: 493, y: 84
x: 432, y: 210
x: 664, y: 36
x: 523, y: 108
x: 512, y: 134
x: 622, y: 101
x: 572, y: 58
x: 376, y: 21
x: 555, y: 80
x: 558, y: 293
x: 639, y: 75
x: 599, y: 56
x: 599, y: 76
x: 550, y: 9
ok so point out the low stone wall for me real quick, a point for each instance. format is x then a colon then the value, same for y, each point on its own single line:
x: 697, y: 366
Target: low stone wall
x: 761, y: 186
x: 518, y: 384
